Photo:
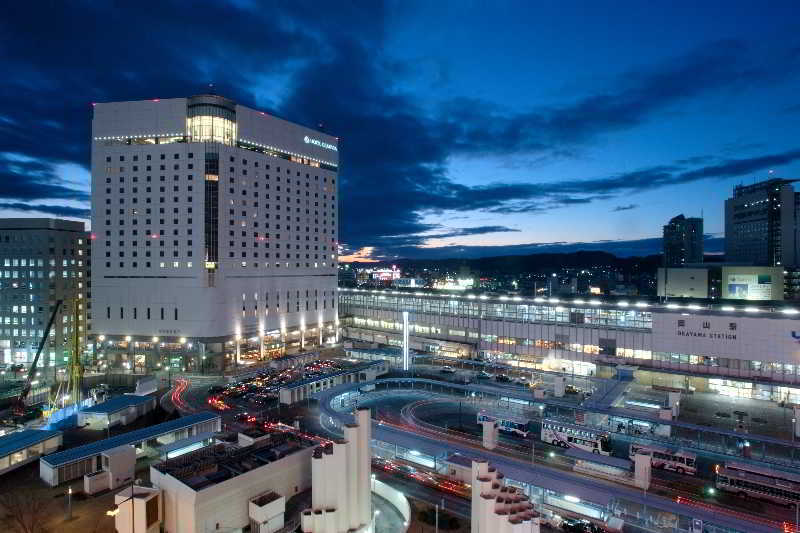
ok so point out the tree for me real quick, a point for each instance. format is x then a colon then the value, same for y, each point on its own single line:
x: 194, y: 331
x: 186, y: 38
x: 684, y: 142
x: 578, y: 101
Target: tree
x: 26, y: 510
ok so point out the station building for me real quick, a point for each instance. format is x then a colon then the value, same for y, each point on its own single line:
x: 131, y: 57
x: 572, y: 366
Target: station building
x: 214, y: 224
x: 742, y: 350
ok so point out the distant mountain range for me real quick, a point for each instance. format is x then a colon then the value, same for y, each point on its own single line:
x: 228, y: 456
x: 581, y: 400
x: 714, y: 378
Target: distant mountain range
x: 643, y: 255
x: 629, y: 248
x: 537, y: 262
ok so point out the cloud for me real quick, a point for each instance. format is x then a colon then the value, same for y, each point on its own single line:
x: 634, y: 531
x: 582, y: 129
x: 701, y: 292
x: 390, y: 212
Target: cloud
x: 55, y: 210
x: 480, y: 127
x: 395, y: 145
x: 625, y: 207
x: 26, y: 178
x: 418, y: 239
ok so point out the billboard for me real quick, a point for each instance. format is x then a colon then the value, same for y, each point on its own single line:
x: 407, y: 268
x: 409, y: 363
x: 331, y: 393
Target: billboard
x: 749, y: 286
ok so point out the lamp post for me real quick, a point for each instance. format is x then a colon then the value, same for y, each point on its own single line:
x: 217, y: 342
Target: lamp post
x: 69, y: 503
x: 115, y: 511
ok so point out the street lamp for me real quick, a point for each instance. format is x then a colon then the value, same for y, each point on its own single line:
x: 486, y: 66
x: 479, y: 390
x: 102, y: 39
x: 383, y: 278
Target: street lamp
x: 115, y: 511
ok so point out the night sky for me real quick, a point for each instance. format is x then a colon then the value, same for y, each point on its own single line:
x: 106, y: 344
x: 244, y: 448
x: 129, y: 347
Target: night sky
x: 466, y: 128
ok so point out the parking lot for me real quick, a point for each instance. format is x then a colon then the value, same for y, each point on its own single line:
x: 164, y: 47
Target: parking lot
x: 259, y: 390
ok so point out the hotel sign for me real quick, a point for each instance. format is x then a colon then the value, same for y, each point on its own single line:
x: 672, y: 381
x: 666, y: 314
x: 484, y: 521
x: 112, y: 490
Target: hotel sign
x: 321, y: 144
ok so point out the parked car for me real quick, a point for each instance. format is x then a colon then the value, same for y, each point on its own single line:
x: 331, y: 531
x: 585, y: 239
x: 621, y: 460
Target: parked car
x: 483, y: 375
x: 448, y: 370
x: 502, y: 378
x: 575, y: 525
x: 522, y: 381
x: 571, y: 389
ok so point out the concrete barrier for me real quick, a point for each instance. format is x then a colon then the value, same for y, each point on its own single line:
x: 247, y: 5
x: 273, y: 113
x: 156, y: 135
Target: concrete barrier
x: 395, y: 497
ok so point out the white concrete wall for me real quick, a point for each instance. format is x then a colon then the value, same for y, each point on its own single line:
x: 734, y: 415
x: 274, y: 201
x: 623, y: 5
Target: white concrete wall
x: 395, y: 497
x: 121, y: 465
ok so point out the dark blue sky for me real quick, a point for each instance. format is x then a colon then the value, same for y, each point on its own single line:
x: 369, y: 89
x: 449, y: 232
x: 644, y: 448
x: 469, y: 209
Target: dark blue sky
x: 467, y: 128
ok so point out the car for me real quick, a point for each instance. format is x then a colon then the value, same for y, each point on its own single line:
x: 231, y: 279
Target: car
x: 483, y: 375
x: 502, y: 378
x: 522, y: 381
x: 448, y: 370
x: 571, y: 389
x: 241, y: 417
x: 405, y: 469
x: 575, y: 525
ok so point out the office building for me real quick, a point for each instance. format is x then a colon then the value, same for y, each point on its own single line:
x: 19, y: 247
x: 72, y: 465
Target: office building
x: 683, y: 241
x: 214, y: 223
x: 761, y: 224
x: 43, y: 260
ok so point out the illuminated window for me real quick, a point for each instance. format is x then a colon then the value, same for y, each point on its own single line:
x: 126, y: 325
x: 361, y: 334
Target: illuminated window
x: 209, y: 122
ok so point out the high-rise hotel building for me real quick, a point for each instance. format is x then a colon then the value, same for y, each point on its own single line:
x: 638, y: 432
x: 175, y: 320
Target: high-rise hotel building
x: 211, y: 222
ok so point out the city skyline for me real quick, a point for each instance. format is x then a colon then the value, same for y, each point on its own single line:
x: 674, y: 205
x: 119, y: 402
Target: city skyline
x: 566, y: 128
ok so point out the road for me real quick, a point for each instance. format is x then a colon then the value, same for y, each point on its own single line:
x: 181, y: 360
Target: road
x: 189, y: 394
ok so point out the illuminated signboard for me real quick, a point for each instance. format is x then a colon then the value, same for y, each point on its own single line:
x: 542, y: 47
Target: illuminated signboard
x: 321, y: 144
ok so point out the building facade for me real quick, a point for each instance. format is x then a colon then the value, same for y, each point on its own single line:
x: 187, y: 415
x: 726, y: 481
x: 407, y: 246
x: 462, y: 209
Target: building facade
x: 683, y: 241
x: 721, y: 281
x: 731, y: 349
x: 213, y: 222
x: 43, y: 260
x: 761, y: 224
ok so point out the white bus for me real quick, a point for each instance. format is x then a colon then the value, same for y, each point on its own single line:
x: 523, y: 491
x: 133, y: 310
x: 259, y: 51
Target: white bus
x: 518, y: 427
x: 678, y: 461
x: 568, y: 435
x: 758, y: 482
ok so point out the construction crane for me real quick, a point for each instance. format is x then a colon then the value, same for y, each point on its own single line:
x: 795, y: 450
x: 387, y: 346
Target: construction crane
x: 18, y: 409
x: 74, y: 368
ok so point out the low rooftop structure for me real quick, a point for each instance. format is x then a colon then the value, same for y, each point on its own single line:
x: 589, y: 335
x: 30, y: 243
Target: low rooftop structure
x: 120, y: 410
x: 22, y: 447
x: 229, y: 486
x: 73, y: 463
x: 218, y: 463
